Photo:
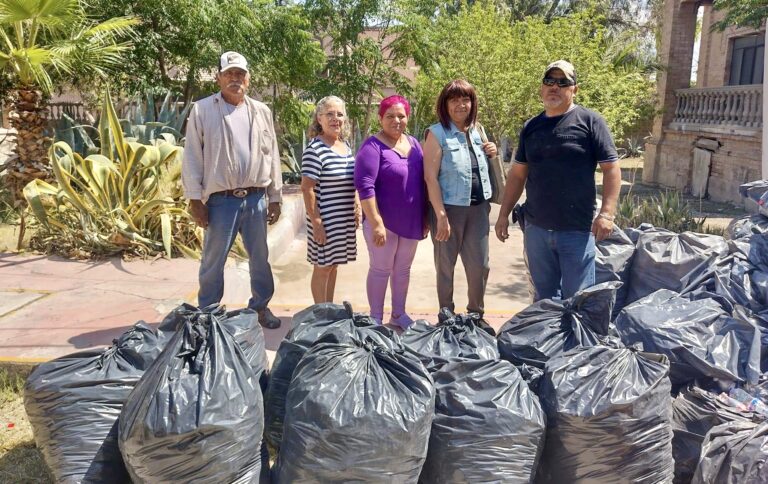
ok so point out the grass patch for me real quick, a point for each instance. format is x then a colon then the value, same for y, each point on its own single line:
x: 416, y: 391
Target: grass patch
x: 666, y: 210
x: 20, y: 460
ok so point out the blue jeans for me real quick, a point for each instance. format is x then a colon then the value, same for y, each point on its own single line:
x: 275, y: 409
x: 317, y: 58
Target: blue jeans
x: 560, y: 262
x: 228, y: 216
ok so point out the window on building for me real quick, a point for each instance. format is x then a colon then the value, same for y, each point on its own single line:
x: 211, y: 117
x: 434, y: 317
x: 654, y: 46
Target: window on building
x: 747, y: 58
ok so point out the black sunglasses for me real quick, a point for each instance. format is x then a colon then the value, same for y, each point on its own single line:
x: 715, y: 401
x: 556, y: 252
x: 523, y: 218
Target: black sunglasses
x: 562, y: 82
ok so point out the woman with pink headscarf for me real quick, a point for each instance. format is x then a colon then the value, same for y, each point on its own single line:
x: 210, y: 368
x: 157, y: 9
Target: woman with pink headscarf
x: 389, y: 177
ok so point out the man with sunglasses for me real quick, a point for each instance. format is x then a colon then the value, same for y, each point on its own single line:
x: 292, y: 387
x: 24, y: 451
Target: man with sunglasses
x: 232, y: 178
x: 555, y: 162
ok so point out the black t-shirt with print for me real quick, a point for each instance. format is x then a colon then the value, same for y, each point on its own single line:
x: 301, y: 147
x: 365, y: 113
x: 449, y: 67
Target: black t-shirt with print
x: 561, y: 153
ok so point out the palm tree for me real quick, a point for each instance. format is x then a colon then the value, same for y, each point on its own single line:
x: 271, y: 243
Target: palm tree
x: 43, y: 40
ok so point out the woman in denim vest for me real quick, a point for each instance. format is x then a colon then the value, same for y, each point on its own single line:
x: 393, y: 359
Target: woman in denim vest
x: 459, y: 186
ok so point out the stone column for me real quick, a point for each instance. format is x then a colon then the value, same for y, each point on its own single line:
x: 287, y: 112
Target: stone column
x: 678, y: 34
x: 764, y: 171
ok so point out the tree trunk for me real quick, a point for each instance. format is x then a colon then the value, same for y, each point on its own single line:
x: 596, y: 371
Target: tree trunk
x: 29, y: 117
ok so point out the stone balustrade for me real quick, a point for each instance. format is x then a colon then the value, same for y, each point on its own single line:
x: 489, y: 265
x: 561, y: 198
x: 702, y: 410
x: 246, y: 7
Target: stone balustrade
x: 727, y: 106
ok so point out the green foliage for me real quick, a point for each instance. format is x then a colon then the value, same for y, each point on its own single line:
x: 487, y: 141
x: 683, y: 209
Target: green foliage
x: 667, y: 210
x: 505, y: 62
x: 363, y: 37
x: 145, y: 123
x: 125, y: 199
x: 742, y: 13
x: 43, y: 38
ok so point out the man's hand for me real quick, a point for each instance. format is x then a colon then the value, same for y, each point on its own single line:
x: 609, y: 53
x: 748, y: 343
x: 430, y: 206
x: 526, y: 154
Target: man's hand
x: 490, y: 149
x: 199, y: 212
x: 602, y: 228
x: 502, y: 228
x: 273, y: 212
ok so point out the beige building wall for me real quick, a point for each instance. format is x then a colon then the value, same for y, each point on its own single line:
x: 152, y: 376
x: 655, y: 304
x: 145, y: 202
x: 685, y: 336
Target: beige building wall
x: 714, y: 51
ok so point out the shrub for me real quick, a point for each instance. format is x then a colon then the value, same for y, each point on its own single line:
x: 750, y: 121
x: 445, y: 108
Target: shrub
x: 126, y: 199
x: 667, y: 210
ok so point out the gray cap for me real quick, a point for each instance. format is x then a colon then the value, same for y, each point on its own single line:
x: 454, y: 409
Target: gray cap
x: 564, y: 66
x: 230, y: 60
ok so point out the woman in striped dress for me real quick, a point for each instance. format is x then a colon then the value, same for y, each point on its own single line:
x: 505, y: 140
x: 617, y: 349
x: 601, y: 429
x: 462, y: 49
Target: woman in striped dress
x: 327, y: 183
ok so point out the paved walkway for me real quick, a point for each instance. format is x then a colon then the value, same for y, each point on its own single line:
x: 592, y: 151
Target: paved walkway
x: 51, y: 306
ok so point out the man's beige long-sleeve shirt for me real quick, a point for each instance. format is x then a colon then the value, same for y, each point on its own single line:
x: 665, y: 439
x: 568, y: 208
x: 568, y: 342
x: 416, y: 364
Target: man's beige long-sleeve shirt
x: 210, y: 165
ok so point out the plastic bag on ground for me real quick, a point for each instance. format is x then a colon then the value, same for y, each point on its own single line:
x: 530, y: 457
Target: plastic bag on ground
x: 699, y: 338
x: 356, y: 411
x: 197, y: 414
x: 746, y: 226
x: 457, y: 336
x: 694, y: 413
x: 613, y: 261
x: 727, y: 279
x: 308, y: 326
x: 754, y: 189
x: 242, y: 324
x: 488, y: 426
x: 608, y: 418
x: 662, y: 258
x: 734, y: 452
x: 550, y: 327
x: 73, y: 404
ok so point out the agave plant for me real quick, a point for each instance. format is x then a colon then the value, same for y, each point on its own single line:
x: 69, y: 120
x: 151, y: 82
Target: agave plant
x: 125, y: 199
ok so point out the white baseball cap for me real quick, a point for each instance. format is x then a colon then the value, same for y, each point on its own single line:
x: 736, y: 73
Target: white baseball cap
x: 231, y: 60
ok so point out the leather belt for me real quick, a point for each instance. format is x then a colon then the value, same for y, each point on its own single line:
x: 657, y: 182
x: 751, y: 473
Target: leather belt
x: 239, y: 192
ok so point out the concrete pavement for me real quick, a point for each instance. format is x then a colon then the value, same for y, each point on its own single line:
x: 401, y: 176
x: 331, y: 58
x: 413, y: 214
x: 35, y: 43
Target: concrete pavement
x: 51, y: 306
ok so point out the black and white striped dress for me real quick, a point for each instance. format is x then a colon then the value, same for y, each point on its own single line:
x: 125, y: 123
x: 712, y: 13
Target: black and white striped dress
x: 335, y: 192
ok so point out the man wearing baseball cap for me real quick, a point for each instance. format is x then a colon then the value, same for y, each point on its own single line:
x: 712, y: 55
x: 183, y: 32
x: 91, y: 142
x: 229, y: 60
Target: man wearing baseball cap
x: 233, y: 181
x: 555, y: 162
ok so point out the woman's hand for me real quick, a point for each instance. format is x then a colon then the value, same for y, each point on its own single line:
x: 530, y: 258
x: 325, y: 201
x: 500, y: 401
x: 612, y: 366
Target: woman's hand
x: 318, y: 231
x: 379, y: 234
x: 358, y: 214
x: 443, y: 228
x: 490, y: 149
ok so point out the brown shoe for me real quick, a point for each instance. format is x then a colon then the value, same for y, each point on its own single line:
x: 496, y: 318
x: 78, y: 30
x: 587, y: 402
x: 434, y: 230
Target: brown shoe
x: 268, y: 320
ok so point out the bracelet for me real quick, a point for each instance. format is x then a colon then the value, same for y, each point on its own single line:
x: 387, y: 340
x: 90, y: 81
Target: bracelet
x: 607, y: 217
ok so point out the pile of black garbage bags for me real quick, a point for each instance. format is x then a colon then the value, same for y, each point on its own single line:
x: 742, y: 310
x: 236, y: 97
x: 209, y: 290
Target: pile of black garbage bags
x: 639, y: 379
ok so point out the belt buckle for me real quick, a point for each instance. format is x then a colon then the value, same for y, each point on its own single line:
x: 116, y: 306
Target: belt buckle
x: 240, y: 192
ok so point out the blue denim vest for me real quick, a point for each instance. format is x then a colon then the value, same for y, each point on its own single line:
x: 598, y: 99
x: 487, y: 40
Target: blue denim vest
x: 455, y: 176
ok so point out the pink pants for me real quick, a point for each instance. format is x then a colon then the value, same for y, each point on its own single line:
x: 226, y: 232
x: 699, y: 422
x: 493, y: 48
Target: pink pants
x: 389, y: 263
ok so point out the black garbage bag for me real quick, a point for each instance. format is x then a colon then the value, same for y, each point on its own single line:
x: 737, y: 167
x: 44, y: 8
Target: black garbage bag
x: 699, y: 338
x: 746, y: 226
x: 73, y: 404
x: 613, y: 261
x: 357, y: 411
x: 608, y: 418
x: 308, y: 326
x: 550, y: 327
x: 488, y: 426
x: 694, y: 413
x: 662, y: 258
x: 197, y: 414
x: 734, y: 452
x: 753, y: 190
x: 727, y: 279
x: 634, y: 233
x: 456, y: 336
x: 242, y: 324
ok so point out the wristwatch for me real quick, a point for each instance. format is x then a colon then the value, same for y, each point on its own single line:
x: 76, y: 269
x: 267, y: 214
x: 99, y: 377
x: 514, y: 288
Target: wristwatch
x: 607, y: 217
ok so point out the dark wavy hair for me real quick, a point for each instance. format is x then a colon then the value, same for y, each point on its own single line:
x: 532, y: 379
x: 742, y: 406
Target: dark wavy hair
x: 456, y: 88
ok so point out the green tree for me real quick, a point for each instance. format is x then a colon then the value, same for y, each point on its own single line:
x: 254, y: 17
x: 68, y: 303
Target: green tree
x: 504, y: 60
x: 362, y: 39
x: 743, y: 13
x: 43, y: 41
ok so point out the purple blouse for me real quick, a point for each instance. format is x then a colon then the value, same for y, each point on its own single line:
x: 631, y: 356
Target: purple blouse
x: 396, y: 182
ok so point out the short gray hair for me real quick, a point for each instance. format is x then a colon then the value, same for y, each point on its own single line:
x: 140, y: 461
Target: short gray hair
x: 314, y: 126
